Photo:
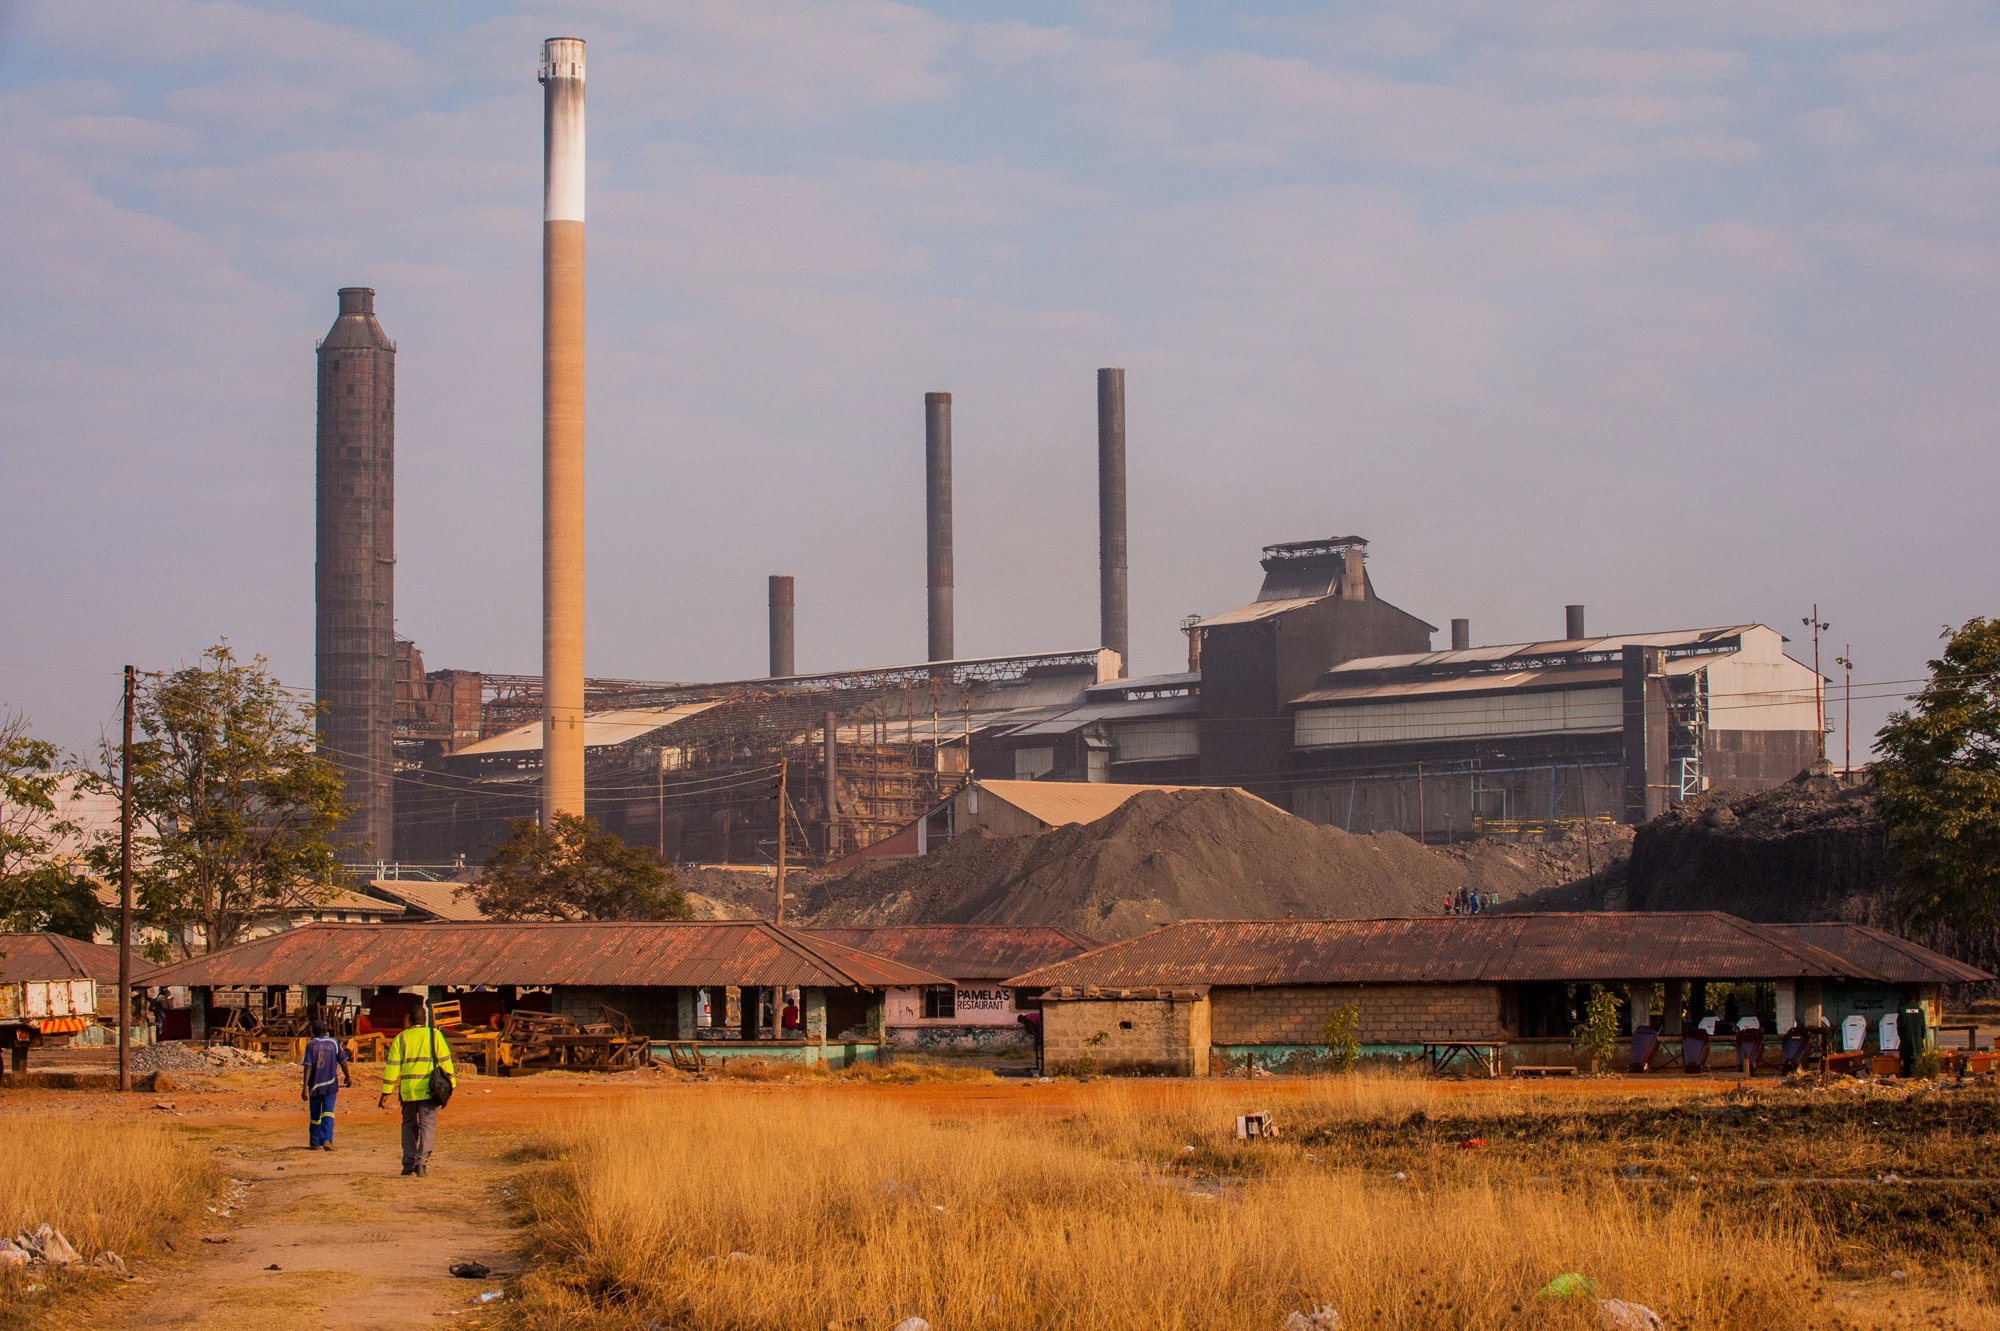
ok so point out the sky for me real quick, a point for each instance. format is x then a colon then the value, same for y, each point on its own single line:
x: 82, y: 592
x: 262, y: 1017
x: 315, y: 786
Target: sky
x: 1686, y: 313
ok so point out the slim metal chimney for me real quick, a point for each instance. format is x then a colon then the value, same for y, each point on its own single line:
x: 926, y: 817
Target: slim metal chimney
x: 562, y: 427
x: 937, y: 522
x: 781, y: 626
x: 354, y: 572
x: 1461, y: 634
x: 1114, y: 620
x: 1573, y: 621
x: 1353, y: 573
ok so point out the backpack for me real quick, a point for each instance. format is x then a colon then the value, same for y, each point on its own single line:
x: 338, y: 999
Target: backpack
x: 441, y: 1085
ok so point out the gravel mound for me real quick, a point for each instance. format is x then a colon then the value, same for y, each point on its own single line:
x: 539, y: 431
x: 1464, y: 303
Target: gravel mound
x: 1169, y: 855
x: 180, y: 1056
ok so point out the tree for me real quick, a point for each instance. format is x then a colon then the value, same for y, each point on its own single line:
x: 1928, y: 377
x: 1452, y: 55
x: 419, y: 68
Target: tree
x: 1938, y: 785
x: 237, y: 807
x: 1341, y: 1034
x: 41, y: 885
x: 572, y: 871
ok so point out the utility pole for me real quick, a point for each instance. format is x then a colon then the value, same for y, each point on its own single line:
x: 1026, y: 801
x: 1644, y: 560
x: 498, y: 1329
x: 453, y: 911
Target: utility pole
x: 660, y: 815
x: 1423, y: 824
x: 125, y: 895
x: 782, y: 806
x: 1815, y: 623
x: 1846, y: 662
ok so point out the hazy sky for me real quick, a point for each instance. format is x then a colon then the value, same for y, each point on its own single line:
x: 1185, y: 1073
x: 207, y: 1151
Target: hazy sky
x: 1684, y: 312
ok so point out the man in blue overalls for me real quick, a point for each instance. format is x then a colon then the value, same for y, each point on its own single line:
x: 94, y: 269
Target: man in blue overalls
x: 325, y: 1059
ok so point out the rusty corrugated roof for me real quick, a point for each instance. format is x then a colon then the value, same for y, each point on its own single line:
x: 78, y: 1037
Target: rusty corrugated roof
x: 46, y: 956
x: 442, y: 900
x: 1453, y: 949
x: 622, y: 952
x: 966, y: 951
x: 1894, y: 959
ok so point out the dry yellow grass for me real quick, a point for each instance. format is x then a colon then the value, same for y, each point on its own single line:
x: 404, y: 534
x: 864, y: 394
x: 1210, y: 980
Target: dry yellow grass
x: 116, y: 1186
x: 856, y: 1214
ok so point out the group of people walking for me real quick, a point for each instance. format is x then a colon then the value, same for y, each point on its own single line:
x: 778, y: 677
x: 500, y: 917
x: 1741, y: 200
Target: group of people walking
x: 417, y: 1070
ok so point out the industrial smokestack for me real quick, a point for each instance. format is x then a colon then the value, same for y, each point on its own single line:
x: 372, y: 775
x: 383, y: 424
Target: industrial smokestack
x: 1353, y: 573
x: 562, y: 427
x: 937, y: 521
x: 1461, y: 634
x: 354, y: 573
x: 1114, y: 622
x: 1573, y: 621
x: 781, y: 626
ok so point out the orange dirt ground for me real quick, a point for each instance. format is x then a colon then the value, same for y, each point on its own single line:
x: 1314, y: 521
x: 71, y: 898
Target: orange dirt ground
x: 358, y: 1246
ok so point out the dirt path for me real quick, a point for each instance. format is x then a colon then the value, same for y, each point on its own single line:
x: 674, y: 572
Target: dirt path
x: 338, y: 1239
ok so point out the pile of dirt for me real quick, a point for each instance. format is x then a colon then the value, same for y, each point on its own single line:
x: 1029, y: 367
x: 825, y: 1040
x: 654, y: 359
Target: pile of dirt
x: 179, y: 1056
x: 1170, y: 855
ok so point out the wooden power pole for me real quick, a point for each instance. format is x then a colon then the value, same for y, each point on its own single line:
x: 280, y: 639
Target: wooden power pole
x: 125, y: 896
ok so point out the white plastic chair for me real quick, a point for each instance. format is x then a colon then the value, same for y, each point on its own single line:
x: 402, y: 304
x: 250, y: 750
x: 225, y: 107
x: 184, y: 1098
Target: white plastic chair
x: 1854, y: 1034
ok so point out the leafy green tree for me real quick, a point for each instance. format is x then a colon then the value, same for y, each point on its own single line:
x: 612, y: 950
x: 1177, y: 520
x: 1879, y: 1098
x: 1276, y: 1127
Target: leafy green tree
x: 1341, y: 1034
x: 1598, y: 1032
x: 236, y: 809
x: 42, y: 885
x: 572, y: 871
x: 1937, y: 783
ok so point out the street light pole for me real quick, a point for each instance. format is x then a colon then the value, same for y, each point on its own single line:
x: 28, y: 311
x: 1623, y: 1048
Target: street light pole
x: 1846, y: 663
x: 1815, y: 623
x: 125, y: 894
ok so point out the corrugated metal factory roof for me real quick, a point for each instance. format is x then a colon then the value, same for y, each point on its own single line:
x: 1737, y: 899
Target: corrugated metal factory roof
x: 1894, y: 959
x: 1137, y: 709
x: 966, y: 951
x: 46, y: 956
x: 1060, y: 802
x: 606, y: 952
x: 1256, y: 610
x: 438, y: 899
x: 1473, y: 656
x: 1453, y: 949
x: 616, y: 726
x: 1484, y: 682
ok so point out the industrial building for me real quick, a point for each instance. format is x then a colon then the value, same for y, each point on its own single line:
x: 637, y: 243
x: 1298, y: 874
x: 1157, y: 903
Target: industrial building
x: 1201, y: 996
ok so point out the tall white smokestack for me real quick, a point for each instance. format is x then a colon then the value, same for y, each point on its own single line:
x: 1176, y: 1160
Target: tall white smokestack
x: 562, y: 427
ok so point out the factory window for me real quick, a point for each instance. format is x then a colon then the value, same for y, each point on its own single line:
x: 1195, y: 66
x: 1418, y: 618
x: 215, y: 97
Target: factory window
x: 940, y: 1002
x: 1032, y: 764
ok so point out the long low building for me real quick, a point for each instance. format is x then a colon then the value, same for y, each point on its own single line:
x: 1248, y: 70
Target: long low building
x: 722, y: 984
x: 1204, y: 995
x: 978, y: 1012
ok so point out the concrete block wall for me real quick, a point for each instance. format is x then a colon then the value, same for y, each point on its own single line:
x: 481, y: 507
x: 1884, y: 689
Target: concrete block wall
x: 1390, y: 1014
x: 1162, y: 1036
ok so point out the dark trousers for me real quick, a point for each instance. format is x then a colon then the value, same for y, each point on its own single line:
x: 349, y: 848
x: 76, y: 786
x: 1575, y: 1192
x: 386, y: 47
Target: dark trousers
x: 319, y: 1124
x: 420, y: 1122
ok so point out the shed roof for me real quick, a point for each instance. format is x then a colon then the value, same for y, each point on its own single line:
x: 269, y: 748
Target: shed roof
x: 614, y: 726
x: 437, y: 899
x: 1256, y: 610
x: 1060, y: 802
x: 600, y: 952
x: 1483, y: 656
x: 966, y: 951
x: 1453, y: 949
x: 46, y: 956
x: 1893, y: 959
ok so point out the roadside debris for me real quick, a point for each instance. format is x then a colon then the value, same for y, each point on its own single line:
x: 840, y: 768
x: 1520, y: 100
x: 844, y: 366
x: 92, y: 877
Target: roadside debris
x: 490, y: 1296
x: 112, y: 1262
x: 1618, y: 1315
x: 912, y: 1324
x: 12, y: 1253
x: 48, y: 1246
x: 1319, y: 1319
x: 1569, y: 1285
x: 1255, y: 1124
x: 471, y: 1270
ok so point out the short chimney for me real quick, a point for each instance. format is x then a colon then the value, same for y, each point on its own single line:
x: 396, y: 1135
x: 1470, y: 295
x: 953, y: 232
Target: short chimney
x: 1353, y: 577
x: 1461, y: 634
x: 1192, y: 627
x: 782, y: 592
x: 1573, y: 622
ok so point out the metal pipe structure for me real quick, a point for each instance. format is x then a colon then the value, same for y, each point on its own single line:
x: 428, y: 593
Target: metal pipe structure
x: 354, y: 569
x: 832, y: 787
x: 937, y: 522
x: 782, y: 592
x: 562, y: 427
x: 1573, y: 622
x: 1461, y: 634
x: 1112, y: 609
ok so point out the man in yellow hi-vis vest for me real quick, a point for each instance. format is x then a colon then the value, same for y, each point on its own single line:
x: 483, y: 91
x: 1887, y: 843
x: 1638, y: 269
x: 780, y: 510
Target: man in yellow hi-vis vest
x: 406, y: 1074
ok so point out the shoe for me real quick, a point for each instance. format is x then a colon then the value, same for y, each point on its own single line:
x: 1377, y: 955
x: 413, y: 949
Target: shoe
x: 423, y: 1171
x: 326, y: 1146
x: 409, y: 1169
